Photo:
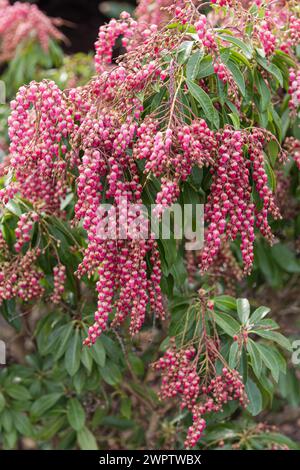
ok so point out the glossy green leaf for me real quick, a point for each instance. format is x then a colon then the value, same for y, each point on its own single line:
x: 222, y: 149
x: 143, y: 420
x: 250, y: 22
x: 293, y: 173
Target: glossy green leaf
x: 75, y: 414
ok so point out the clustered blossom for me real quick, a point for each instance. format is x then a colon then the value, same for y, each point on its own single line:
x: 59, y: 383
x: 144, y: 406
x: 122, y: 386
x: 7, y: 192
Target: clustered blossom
x: 131, y: 32
x: 39, y: 122
x: 294, y: 90
x: 22, y: 21
x: 266, y: 37
x: 123, y: 285
x: 172, y: 154
x: 21, y: 278
x: 292, y: 146
x: 229, y: 209
x: 205, y: 34
x: 24, y: 227
x: 181, y: 378
x: 102, y: 132
x: 59, y: 279
x: 222, y: 3
x: 223, y: 388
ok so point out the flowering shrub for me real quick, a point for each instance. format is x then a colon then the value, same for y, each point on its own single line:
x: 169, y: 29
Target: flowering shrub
x: 28, y: 42
x: 192, y: 112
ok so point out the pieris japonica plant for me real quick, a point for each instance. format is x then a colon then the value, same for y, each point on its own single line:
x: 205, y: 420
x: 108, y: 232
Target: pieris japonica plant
x: 200, y: 109
x: 29, y: 43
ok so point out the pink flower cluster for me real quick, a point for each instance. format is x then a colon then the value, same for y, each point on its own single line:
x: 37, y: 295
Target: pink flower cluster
x: 266, y: 37
x: 120, y: 262
x: 179, y: 375
x: 205, y: 34
x: 155, y: 11
x: 21, y: 278
x: 172, y: 154
x: 292, y: 146
x: 294, y: 90
x: 229, y: 209
x: 222, y: 3
x: 24, y: 228
x: 59, y: 279
x: 223, y: 388
x: 130, y: 30
x: 22, y: 21
x: 40, y: 120
x: 181, y: 378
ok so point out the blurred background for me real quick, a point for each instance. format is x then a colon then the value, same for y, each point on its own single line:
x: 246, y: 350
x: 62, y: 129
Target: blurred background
x: 86, y: 16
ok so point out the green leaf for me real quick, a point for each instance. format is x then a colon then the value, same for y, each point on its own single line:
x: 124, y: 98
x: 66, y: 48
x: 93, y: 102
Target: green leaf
x: 52, y: 427
x: 184, y: 51
x: 269, y: 359
x: 18, y: 392
x: 247, y: 49
x: 263, y: 90
x: 206, y: 68
x: 235, y: 120
x: 97, y: 352
x: 126, y: 407
x: 243, y: 310
x: 87, y: 359
x: 228, y: 324
x: 276, y: 337
x: 255, y: 399
x: 237, y: 76
x: 277, y: 438
x: 259, y: 313
x: 226, y: 303
x: 285, y: 258
x: 193, y: 64
x: 44, y: 403
x: 233, y: 355
x: 136, y: 364
x: 14, y: 208
x: 86, y: 440
x: 271, y: 68
x: 63, y: 343
x: 2, y: 402
x: 72, y: 356
x: 255, y: 357
x: 111, y: 373
x: 23, y: 424
x: 203, y: 99
x: 75, y: 414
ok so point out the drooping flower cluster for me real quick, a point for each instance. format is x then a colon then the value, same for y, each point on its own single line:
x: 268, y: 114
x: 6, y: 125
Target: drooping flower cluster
x: 180, y: 377
x: 223, y: 388
x: 172, y: 155
x: 205, y: 33
x: 155, y: 11
x: 22, y: 21
x: 24, y: 228
x: 294, y: 90
x: 266, y: 37
x: 120, y: 258
x: 230, y: 210
x: 40, y: 120
x: 292, y: 146
x: 21, y: 278
x: 59, y: 279
x: 131, y: 32
x: 222, y: 3
x: 109, y: 135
